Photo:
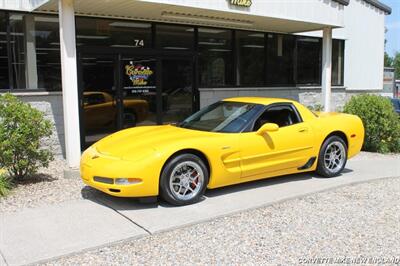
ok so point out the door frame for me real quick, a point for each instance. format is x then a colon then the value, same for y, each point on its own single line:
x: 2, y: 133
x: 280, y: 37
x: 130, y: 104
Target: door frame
x: 116, y: 54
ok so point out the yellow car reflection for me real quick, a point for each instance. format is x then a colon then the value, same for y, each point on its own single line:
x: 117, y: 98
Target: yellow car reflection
x: 100, y: 110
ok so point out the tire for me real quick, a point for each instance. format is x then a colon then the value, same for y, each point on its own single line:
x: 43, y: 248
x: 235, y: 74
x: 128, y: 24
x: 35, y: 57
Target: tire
x: 332, y: 157
x: 183, y: 180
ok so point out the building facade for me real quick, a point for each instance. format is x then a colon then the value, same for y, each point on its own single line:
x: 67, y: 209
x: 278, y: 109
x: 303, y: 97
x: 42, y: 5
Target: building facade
x: 95, y: 67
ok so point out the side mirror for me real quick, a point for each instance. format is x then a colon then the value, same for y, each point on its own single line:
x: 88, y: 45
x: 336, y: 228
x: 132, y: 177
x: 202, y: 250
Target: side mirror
x: 267, y: 127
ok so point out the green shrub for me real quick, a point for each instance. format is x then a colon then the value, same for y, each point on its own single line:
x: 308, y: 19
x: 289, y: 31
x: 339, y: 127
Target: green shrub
x: 316, y: 107
x: 22, y: 128
x: 5, y: 184
x: 382, y: 124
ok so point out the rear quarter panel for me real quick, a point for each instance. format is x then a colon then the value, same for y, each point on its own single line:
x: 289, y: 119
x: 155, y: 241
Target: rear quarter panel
x: 351, y: 125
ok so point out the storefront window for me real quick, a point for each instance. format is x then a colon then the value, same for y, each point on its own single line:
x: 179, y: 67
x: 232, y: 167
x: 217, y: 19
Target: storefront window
x: 250, y: 58
x: 170, y: 37
x: 112, y: 33
x: 337, y: 62
x: 17, y: 50
x: 35, y: 52
x: 215, y: 61
x: 308, y: 61
x: 280, y: 52
x: 4, y: 84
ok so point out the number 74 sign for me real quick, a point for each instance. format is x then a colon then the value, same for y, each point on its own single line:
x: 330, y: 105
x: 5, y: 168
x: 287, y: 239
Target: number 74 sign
x: 138, y: 43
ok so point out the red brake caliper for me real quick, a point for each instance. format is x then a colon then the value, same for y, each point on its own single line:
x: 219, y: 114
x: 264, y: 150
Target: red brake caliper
x: 194, y: 183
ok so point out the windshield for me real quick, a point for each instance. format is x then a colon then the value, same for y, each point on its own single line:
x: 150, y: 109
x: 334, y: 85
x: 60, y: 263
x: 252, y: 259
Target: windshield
x: 229, y: 117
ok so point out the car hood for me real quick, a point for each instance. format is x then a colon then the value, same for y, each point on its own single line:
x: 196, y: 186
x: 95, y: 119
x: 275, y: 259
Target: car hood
x: 139, y: 142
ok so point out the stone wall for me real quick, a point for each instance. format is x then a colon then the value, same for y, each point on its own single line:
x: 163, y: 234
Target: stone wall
x: 307, y: 96
x: 51, y: 104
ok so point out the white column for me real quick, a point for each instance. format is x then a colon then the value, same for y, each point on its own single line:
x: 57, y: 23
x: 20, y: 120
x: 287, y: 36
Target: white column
x: 69, y: 82
x: 326, y: 68
x: 31, y: 76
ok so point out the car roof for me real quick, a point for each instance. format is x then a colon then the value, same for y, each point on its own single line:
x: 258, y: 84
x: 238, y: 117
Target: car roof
x: 258, y: 100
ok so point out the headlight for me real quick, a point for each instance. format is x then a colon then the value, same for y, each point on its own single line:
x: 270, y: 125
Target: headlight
x: 127, y: 181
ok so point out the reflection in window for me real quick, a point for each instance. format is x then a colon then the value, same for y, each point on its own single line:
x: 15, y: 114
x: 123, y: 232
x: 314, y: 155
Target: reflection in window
x: 215, y: 61
x: 112, y: 33
x: 309, y: 60
x: 229, y: 117
x: 170, y: 37
x: 337, y: 62
x: 250, y: 48
x: 4, y: 84
x: 35, y: 51
x: 280, y: 59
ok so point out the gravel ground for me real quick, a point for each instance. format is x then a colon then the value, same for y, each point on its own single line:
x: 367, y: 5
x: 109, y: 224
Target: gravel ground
x: 49, y: 186
x: 376, y: 156
x: 350, y: 222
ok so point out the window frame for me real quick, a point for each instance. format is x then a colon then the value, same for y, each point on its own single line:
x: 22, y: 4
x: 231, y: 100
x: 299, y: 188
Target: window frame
x: 250, y: 127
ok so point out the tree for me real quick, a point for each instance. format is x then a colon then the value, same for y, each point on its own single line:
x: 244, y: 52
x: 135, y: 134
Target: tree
x: 396, y: 65
x: 388, y: 60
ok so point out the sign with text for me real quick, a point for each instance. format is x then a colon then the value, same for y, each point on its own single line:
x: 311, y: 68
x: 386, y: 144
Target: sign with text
x: 244, y: 3
x: 139, y: 77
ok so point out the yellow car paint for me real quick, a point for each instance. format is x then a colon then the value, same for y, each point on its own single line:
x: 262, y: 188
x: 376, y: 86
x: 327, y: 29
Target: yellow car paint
x: 233, y: 158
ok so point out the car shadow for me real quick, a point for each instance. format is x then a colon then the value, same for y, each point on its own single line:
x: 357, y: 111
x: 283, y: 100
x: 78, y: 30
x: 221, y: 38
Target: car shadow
x: 128, y: 204
x: 267, y: 182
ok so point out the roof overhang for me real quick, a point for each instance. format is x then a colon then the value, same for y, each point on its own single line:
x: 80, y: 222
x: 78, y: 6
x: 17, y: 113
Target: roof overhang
x: 380, y: 6
x: 343, y: 2
x: 374, y: 3
x: 22, y: 5
x: 266, y: 15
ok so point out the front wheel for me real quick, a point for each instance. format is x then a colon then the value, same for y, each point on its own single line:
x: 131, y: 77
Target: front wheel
x: 184, y: 180
x: 332, y: 157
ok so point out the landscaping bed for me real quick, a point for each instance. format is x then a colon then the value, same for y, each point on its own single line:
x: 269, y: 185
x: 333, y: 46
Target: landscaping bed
x: 47, y: 187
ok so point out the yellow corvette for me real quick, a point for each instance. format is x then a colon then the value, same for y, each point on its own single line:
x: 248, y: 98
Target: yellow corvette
x: 232, y: 141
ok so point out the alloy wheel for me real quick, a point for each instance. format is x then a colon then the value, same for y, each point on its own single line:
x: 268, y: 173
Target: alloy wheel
x: 186, y: 180
x: 334, y: 157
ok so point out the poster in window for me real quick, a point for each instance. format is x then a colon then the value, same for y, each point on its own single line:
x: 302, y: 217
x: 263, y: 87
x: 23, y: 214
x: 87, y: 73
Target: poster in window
x: 139, y: 76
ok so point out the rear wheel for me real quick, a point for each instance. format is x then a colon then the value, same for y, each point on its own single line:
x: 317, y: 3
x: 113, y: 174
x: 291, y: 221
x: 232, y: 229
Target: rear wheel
x: 332, y: 157
x: 183, y: 180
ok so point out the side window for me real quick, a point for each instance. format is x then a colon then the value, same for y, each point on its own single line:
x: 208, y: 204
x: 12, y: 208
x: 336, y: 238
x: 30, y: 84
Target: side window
x: 282, y: 115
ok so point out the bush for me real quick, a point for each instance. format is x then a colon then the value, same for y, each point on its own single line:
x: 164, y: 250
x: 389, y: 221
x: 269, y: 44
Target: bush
x: 316, y: 107
x: 382, y: 124
x: 21, y: 130
x: 5, y: 184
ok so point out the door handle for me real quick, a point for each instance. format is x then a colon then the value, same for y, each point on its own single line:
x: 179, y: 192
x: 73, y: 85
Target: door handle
x: 303, y: 130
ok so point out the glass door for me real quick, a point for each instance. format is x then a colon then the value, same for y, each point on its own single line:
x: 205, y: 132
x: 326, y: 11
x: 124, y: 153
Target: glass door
x: 121, y: 91
x: 99, y: 109
x: 139, y: 91
x: 177, y: 89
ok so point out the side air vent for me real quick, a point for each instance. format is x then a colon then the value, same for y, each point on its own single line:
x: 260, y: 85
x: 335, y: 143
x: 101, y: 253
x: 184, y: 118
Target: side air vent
x: 308, y: 165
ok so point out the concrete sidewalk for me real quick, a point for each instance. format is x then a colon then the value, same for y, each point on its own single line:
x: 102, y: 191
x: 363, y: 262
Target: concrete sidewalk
x: 34, y: 235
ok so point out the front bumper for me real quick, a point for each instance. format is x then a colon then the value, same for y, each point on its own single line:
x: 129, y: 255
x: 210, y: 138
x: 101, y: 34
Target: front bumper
x: 94, y: 164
